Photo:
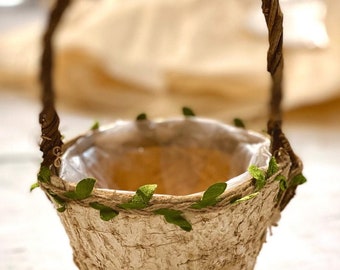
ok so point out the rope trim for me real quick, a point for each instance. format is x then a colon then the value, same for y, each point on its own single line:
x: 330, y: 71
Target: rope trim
x: 112, y: 198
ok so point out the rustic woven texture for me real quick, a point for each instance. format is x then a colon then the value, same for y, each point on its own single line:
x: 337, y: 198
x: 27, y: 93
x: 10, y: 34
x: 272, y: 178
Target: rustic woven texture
x: 226, y: 236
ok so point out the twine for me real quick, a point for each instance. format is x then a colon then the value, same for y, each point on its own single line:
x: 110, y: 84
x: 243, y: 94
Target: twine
x: 112, y: 199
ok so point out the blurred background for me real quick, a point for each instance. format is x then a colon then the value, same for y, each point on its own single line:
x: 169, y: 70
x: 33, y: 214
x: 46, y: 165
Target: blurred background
x: 116, y: 59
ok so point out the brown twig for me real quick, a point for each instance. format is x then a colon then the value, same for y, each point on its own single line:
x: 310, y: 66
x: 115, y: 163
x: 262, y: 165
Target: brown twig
x: 48, y: 118
x: 274, y: 19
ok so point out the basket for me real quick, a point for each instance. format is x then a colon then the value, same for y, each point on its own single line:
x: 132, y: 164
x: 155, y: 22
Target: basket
x: 219, y: 187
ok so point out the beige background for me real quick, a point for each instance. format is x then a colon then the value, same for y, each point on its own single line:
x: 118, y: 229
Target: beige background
x: 89, y: 89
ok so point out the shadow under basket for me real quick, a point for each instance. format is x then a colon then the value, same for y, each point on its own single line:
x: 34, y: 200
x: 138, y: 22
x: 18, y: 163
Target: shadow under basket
x: 183, y: 157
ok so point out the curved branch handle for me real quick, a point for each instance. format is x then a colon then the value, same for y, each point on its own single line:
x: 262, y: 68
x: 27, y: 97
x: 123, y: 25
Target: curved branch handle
x: 274, y: 19
x: 51, y: 144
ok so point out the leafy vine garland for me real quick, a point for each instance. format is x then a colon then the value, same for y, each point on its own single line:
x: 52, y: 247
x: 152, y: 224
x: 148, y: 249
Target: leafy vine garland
x: 144, y: 194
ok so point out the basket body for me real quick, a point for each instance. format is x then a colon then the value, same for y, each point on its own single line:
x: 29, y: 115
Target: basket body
x: 225, y: 236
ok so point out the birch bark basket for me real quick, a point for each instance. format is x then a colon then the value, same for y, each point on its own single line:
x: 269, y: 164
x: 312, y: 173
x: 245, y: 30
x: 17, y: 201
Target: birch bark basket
x: 184, y: 157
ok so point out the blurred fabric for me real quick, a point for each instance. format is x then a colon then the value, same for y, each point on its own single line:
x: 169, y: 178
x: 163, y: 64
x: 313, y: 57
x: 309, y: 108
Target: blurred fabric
x: 125, y: 57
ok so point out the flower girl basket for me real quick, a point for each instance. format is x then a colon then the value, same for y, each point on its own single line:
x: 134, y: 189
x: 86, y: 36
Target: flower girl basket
x: 184, y: 193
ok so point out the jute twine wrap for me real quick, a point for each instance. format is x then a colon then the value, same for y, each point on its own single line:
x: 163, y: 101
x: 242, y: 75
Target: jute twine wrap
x: 112, y: 198
x: 225, y: 236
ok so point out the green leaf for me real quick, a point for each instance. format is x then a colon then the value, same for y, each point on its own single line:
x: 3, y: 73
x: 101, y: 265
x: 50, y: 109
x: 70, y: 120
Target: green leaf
x: 141, y: 199
x: 245, y: 198
x: 71, y: 195
x: 135, y: 203
x: 106, y: 213
x: 95, y: 126
x: 83, y: 189
x: 34, y: 186
x: 60, y: 202
x: 57, y: 199
x: 214, y: 191
x: 44, y: 174
x: 188, y: 112
x: 259, y: 176
x: 61, y: 208
x: 210, y: 196
x: 174, y: 217
x: 97, y: 206
x: 282, y: 182
x: 141, y: 116
x: 298, y: 180
x: 273, y: 167
x: 146, y: 192
x: 239, y: 123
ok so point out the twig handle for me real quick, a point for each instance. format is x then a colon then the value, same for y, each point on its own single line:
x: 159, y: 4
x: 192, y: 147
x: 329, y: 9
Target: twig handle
x: 274, y: 19
x: 51, y: 144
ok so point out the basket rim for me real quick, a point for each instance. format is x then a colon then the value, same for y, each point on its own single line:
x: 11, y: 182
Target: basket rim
x: 113, y: 198
x: 234, y: 184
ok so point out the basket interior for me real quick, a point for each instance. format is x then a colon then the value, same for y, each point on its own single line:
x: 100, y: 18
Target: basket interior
x: 180, y: 156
